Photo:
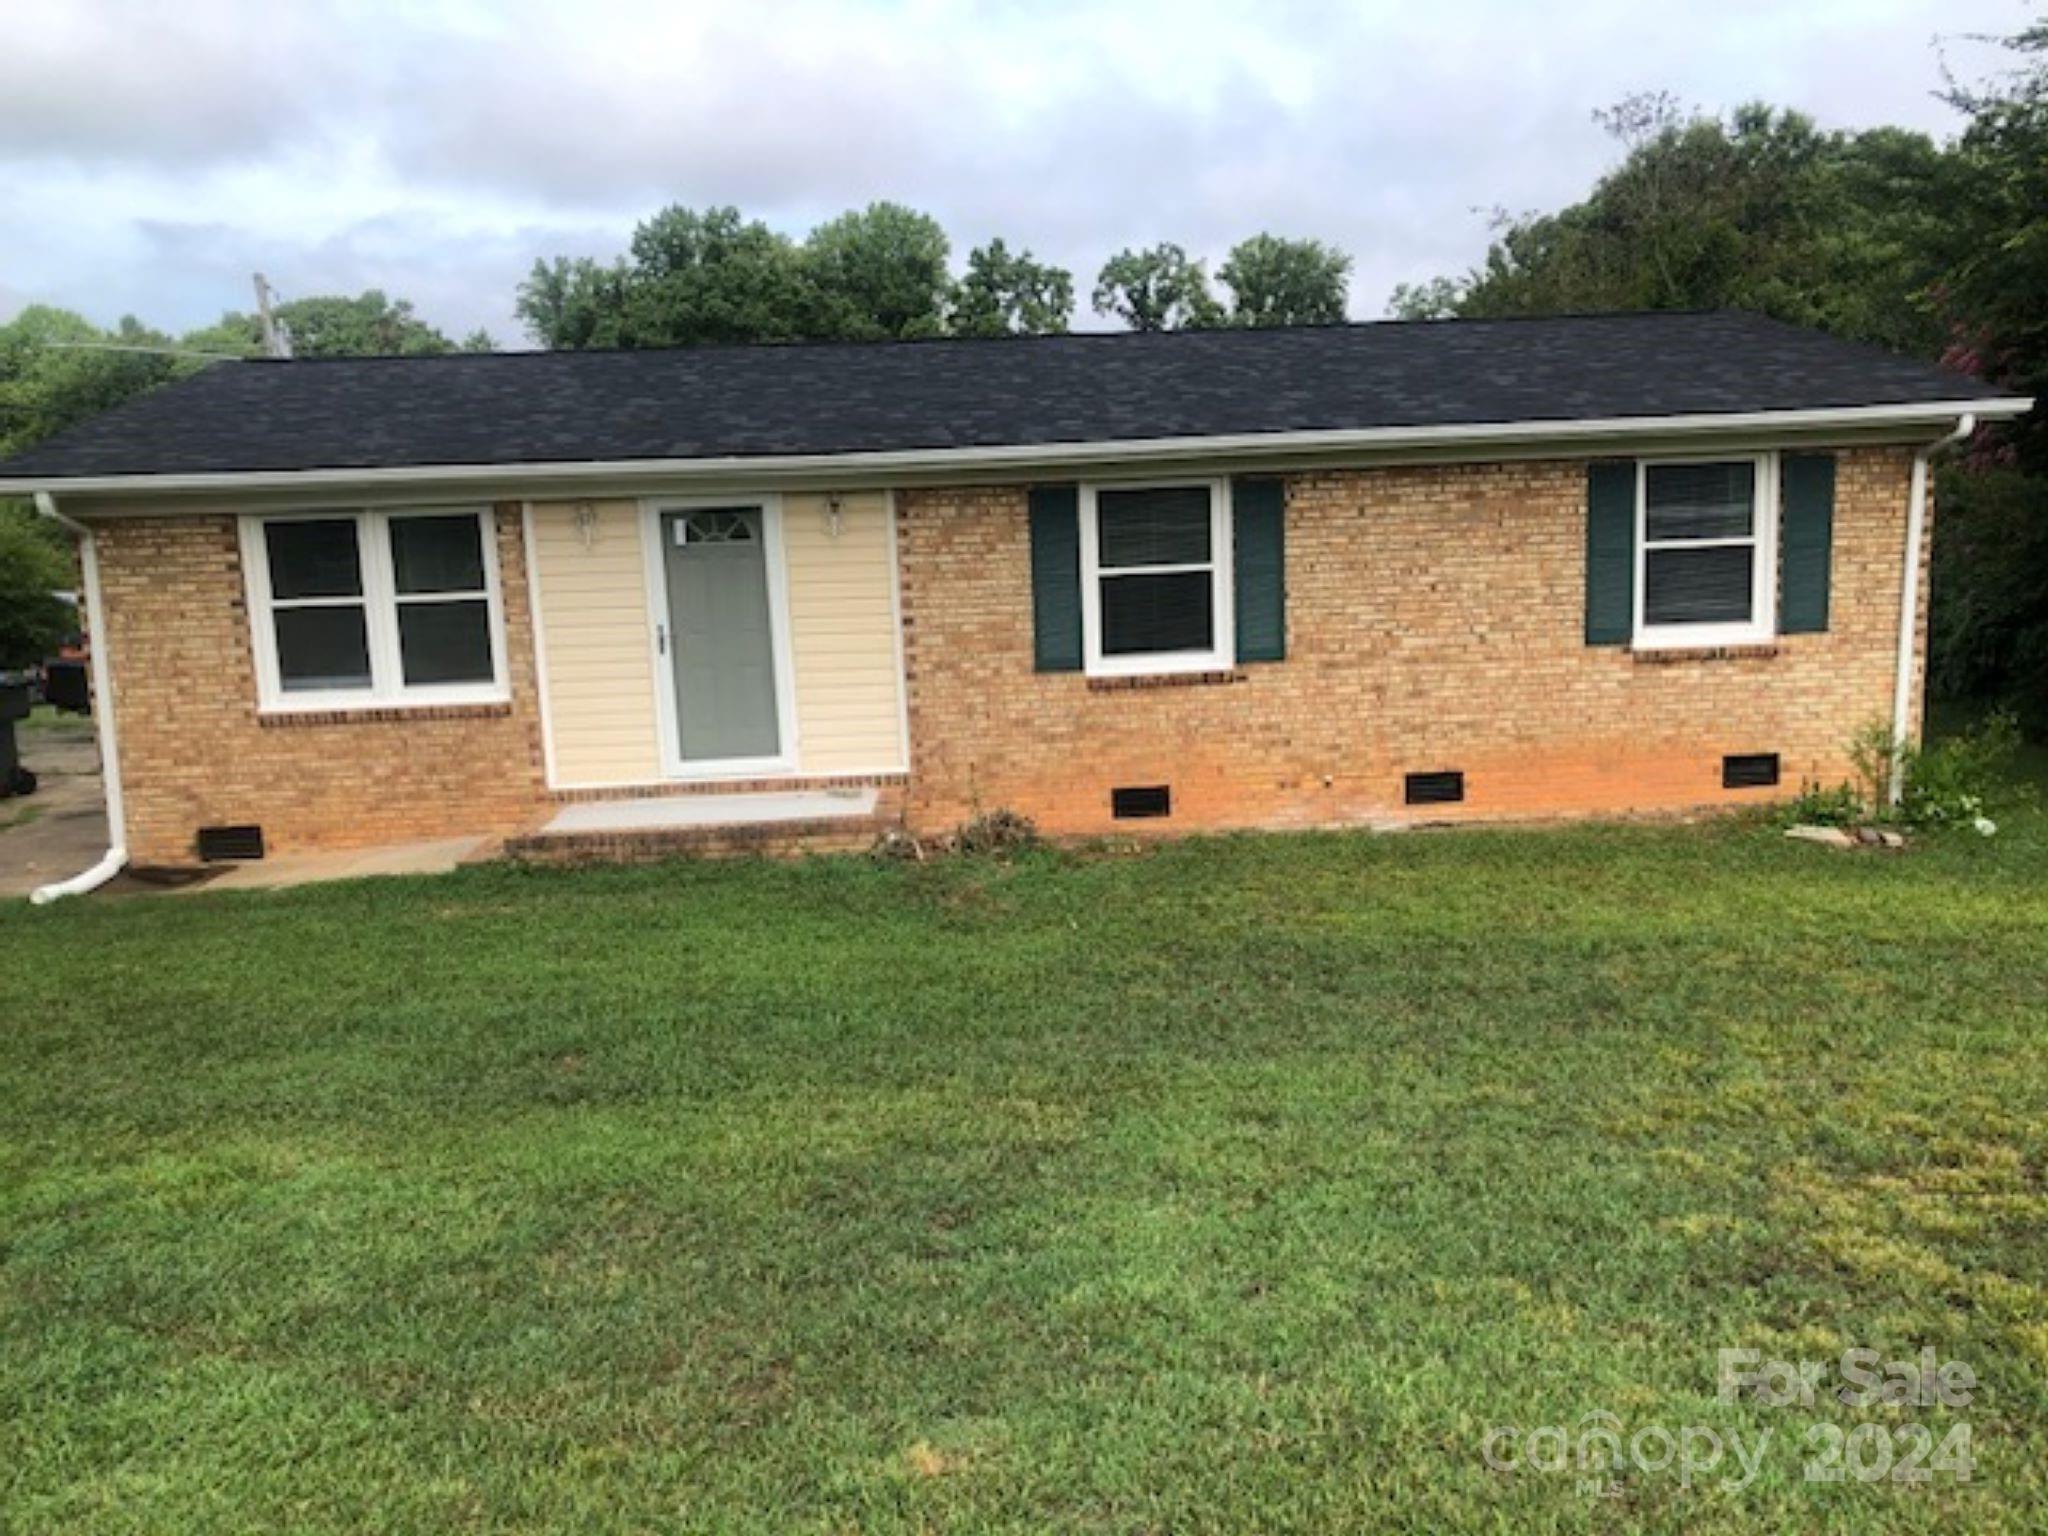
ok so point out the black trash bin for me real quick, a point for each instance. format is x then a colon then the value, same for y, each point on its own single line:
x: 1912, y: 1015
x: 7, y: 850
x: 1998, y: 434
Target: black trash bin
x: 14, y: 779
x: 65, y: 687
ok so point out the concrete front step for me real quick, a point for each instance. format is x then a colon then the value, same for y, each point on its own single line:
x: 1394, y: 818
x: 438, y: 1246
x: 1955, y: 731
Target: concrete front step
x: 781, y: 822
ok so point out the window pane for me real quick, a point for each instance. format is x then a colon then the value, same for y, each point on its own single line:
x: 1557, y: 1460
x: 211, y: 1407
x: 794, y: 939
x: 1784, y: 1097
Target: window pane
x: 1699, y: 501
x: 445, y: 642
x: 1155, y: 527
x: 316, y: 558
x: 321, y: 648
x: 1158, y: 613
x: 1698, y: 586
x: 437, y: 554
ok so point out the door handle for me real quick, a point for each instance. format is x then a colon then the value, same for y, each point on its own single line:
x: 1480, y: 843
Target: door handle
x: 661, y: 639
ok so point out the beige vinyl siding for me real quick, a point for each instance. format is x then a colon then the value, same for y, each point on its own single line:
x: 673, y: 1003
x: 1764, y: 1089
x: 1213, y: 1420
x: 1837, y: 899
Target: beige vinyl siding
x: 842, y: 634
x: 593, y: 612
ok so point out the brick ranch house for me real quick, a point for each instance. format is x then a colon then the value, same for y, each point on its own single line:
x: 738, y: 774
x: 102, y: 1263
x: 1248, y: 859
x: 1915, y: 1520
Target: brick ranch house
x: 1359, y: 574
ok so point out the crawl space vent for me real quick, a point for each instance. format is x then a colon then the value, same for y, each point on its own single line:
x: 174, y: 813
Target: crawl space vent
x: 222, y: 843
x: 1137, y: 802
x: 1749, y: 770
x: 1436, y: 788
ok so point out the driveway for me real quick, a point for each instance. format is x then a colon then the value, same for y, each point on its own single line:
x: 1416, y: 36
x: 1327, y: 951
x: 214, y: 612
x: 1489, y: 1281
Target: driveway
x: 62, y: 827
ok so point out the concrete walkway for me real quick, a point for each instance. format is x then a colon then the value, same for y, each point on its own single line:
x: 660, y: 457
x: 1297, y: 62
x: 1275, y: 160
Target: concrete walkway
x: 278, y: 872
x: 62, y: 827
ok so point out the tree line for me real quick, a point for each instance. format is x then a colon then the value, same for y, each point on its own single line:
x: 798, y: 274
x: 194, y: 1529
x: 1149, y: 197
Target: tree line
x: 882, y: 273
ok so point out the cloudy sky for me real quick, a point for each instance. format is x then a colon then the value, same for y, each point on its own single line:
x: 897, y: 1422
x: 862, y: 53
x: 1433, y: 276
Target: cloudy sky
x: 153, y: 154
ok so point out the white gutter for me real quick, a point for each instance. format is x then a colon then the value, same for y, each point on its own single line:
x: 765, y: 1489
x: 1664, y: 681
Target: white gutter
x: 1135, y: 452
x: 1909, y: 598
x: 116, y: 856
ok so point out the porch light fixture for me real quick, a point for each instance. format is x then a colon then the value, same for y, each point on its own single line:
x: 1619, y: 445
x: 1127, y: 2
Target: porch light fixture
x: 586, y: 523
x: 834, y: 518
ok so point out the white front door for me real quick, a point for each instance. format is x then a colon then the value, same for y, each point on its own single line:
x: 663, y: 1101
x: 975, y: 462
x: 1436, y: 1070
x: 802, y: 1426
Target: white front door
x: 723, y: 668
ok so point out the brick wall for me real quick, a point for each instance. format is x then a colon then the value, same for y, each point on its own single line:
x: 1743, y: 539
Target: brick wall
x: 194, y: 751
x: 1434, y: 621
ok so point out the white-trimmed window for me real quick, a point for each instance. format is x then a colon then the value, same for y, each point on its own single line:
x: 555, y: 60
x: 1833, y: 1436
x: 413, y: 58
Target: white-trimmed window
x: 1155, y: 578
x: 375, y: 609
x: 1706, y: 551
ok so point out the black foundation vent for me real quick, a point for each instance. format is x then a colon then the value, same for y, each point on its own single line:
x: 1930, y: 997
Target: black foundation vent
x: 1436, y: 788
x: 1138, y: 802
x: 217, y: 844
x: 1749, y: 770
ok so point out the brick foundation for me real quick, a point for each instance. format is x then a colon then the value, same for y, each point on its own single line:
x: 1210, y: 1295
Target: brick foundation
x: 1434, y: 621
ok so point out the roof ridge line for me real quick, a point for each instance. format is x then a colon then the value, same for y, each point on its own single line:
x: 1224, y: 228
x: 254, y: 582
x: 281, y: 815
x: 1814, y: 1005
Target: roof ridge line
x: 1153, y: 337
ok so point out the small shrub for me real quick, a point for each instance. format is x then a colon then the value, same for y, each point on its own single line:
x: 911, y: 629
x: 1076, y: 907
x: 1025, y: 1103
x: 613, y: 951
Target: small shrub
x: 1955, y: 782
x: 998, y: 832
x: 995, y: 834
x: 1819, y: 806
x: 1962, y: 779
x: 896, y: 845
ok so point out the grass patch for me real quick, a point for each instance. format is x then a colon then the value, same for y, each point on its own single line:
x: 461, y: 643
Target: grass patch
x: 42, y: 717
x: 1238, y: 1186
x: 18, y: 813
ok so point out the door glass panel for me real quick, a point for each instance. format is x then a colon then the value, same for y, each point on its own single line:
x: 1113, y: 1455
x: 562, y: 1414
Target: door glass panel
x: 718, y: 528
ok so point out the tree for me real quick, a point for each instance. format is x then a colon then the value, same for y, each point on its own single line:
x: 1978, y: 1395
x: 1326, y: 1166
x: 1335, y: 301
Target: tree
x: 1759, y: 211
x: 1011, y: 295
x: 1993, y: 245
x: 58, y: 368
x: 1988, y: 612
x: 714, y: 277
x: 1990, y: 604
x: 1158, y: 289
x: 331, y: 325
x: 34, y: 565
x: 1286, y: 282
x: 695, y: 277
x: 368, y: 325
x: 881, y: 272
x: 572, y: 302
x: 1435, y: 299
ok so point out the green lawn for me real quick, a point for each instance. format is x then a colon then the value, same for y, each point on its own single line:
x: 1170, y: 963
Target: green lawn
x: 43, y: 718
x: 1241, y: 1186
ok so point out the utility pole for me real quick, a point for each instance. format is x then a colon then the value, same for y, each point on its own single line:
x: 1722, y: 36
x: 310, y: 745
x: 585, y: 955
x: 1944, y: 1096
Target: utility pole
x: 275, y: 342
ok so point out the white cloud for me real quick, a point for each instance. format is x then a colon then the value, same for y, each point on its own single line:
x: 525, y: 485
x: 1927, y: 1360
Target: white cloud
x: 152, y: 155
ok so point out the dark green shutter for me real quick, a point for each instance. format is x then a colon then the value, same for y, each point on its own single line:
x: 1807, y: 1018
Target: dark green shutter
x: 1806, y: 542
x: 1056, y: 578
x: 1610, y: 551
x: 1258, y: 508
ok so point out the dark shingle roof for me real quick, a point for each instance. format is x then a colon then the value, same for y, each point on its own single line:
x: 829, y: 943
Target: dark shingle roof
x: 741, y: 402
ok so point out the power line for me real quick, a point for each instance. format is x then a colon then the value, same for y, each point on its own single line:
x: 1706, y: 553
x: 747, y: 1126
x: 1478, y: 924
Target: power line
x: 117, y: 346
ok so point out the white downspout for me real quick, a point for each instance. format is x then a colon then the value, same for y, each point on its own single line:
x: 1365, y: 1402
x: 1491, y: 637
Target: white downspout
x: 1909, y: 599
x: 116, y: 856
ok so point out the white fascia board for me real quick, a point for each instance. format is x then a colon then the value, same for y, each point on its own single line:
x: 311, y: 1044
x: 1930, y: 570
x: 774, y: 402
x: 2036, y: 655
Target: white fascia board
x: 513, y: 480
